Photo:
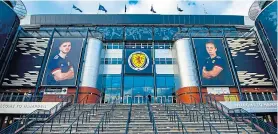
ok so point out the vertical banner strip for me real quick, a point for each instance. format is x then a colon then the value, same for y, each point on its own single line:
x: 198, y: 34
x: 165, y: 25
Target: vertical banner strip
x: 81, y: 63
x: 46, y: 54
x: 232, y: 65
x: 196, y: 64
x: 11, y: 52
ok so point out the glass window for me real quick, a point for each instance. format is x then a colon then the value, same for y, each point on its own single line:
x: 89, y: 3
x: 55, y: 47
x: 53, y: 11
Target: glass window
x: 260, y: 96
x: 115, y: 46
x: 108, y: 82
x: 140, y: 82
x: 255, y: 97
x: 156, y: 60
x: 169, y: 61
x: 148, y: 81
x: 160, y: 82
x: 170, y: 82
x: 106, y: 61
x: 120, y: 60
x: 162, y: 61
x: 244, y: 97
x: 248, y: 96
x: 116, y: 82
x: 109, y: 46
x: 128, y: 81
x: 269, y: 96
x: 121, y: 46
x: 114, y: 61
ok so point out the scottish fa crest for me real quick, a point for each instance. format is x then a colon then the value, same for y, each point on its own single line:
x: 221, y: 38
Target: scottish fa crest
x: 138, y: 60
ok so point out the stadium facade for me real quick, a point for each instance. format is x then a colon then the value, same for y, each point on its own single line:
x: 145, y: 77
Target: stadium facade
x: 130, y: 57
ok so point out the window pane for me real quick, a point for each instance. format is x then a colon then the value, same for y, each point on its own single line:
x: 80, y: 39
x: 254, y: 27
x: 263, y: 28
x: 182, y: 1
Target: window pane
x: 255, y: 97
x: 160, y: 82
x: 170, y: 81
x: 249, y: 97
x: 116, y: 82
x: 149, y: 81
x: 261, y: 98
x: 139, y: 82
x: 128, y: 81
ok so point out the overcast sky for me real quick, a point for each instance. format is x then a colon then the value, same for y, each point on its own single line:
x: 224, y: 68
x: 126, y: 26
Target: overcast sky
x: 200, y: 7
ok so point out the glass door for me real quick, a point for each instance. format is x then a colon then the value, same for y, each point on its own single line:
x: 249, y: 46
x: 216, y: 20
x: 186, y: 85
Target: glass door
x: 111, y: 94
x: 139, y: 87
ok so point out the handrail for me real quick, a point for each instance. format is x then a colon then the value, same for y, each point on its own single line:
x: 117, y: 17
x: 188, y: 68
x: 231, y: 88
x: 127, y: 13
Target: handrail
x: 105, y: 118
x: 81, y: 102
x: 83, y: 114
x: 267, y: 128
x: 173, y: 117
x: 16, y: 125
x: 204, y: 108
x: 34, y: 116
x: 203, y: 119
x: 152, y: 120
x: 51, y: 117
x: 128, y: 119
x: 240, y: 111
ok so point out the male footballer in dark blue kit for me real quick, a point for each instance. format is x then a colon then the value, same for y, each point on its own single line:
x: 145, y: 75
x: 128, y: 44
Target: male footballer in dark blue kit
x: 61, y: 69
x: 213, y: 67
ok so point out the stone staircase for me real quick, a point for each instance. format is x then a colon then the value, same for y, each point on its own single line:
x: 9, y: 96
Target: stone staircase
x: 192, y: 120
x: 63, y: 120
x: 163, y: 123
x: 140, y: 121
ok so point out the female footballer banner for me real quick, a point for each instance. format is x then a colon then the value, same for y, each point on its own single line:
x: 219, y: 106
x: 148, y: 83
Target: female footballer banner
x: 214, y: 69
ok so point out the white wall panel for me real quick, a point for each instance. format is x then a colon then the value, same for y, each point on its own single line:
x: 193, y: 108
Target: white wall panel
x: 163, y: 53
x: 112, y: 69
x: 91, y: 69
x: 164, y: 69
x: 113, y: 53
x: 185, y: 68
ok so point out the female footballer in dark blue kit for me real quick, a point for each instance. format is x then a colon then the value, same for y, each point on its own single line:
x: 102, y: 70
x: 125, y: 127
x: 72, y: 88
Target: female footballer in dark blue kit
x: 61, y: 69
x: 213, y: 66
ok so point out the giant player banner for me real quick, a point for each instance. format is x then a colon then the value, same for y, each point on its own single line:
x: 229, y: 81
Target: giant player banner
x: 138, y: 61
x: 212, y: 61
x: 63, y: 62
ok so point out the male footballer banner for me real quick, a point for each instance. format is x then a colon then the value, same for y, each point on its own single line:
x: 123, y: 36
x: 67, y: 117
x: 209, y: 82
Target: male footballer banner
x: 63, y: 62
x: 214, y: 69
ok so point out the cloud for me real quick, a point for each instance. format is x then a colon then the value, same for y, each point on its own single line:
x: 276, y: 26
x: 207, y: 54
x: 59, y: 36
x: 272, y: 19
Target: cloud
x: 238, y: 8
x: 211, y: 7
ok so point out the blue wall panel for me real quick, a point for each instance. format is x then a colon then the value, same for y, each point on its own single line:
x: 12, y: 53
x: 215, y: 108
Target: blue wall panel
x: 248, y: 61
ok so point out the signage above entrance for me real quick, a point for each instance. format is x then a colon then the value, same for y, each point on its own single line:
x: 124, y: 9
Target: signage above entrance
x: 24, y: 107
x: 139, y: 61
x: 253, y: 106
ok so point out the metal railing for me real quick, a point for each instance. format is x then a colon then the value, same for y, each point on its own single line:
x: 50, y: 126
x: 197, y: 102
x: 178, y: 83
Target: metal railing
x: 105, y: 118
x: 80, y: 104
x: 35, y: 116
x: 227, y: 118
x: 51, y: 118
x: 240, y: 114
x: 245, y: 116
x: 175, y: 117
x: 22, y: 98
x: 152, y: 120
x: 83, y: 116
x: 128, y: 119
x: 200, y: 114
